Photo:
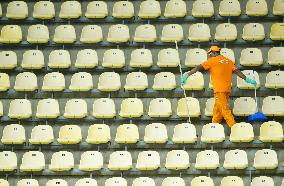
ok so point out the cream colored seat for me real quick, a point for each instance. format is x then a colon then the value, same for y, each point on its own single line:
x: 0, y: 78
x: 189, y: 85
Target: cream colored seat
x: 4, y: 82
x: 175, y: 9
x: 241, y: 84
x: 11, y: 34
x: 86, y: 58
x: 256, y: 8
x: 188, y: 107
x: 156, y: 133
x: 20, y: 109
x: 141, y: 58
x: 251, y: 57
x: 253, y: 32
x: 277, y: 31
x: 273, y: 106
x: 278, y: 8
x: 8, y: 59
x: 33, y: 59
x: 27, y: 182
x: 59, y: 59
x: 236, y: 159
x: 275, y: 79
x: 47, y: 108
x: 148, y: 160
x: 32, y: 161
x: 26, y: 81
x: 117, y: 181
x: 13, y: 134
x: 149, y: 9
x: 70, y: 134
x: 98, y: 134
x: 91, y: 34
x: 230, y: 8
x: 265, y: 159
x: 232, y: 181
x: 4, y: 182
x: 81, y: 81
x: 242, y: 132
x: 113, y: 58
x: 123, y: 9
x: 213, y: 133
x: 202, y: 181
x: 228, y: 53
x: 195, y: 82
x: 244, y: 106
x: 164, y: 81
x: 195, y: 57
x: 131, y: 108
x: 143, y: 181
x: 44, y: 10
x: 184, y: 133
x: 91, y: 161
x: 75, y: 108
x: 53, y: 81
x: 8, y: 161
x: 17, y: 10
x: 160, y: 107
x: 199, y: 32
x: 70, y: 9
x: 56, y: 182
x: 109, y: 81
x: 282, y: 183
x: 62, y: 161
x: 207, y: 159
x: 86, y: 182
x: 64, y: 34
x: 271, y: 131
x: 42, y: 135
x: 168, y: 57
x: 97, y: 9
x: 262, y: 181
x: 226, y: 32
x: 276, y: 56
x: 145, y: 33
x: 136, y: 81
x: 209, y: 106
x: 169, y: 181
x: 104, y: 108
x: 118, y: 33
x: 127, y: 133
x: 120, y: 160
x: 172, y: 33
x: 38, y: 34
x: 202, y: 8
x: 177, y: 160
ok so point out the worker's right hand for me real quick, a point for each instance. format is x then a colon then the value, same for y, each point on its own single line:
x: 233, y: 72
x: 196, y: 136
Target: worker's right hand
x: 251, y: 81
x: 184, y: 78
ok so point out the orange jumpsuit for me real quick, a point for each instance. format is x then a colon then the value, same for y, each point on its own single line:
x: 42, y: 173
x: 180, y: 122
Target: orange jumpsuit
x: 221, y: 70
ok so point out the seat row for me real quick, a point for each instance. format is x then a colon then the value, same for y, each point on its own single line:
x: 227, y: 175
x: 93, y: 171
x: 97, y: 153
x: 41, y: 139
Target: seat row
x: 119, y: 33
x: 148, y: 9
x: 184, y: 133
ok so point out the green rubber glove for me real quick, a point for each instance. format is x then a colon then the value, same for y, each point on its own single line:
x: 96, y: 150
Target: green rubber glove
x: 251, y: 81
x: 184, y: 79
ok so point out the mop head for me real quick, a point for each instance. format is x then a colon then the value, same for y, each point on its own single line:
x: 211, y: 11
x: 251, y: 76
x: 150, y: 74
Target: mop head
x: 258, y: 116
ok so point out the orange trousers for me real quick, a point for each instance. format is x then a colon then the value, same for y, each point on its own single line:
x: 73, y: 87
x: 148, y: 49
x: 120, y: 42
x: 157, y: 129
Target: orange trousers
x: 222, y: 110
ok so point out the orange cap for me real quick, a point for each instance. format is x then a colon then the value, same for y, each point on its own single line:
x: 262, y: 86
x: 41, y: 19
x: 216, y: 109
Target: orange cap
x: 214, y: 48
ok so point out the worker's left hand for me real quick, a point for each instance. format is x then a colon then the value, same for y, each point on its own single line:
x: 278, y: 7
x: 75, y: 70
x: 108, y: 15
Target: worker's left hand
x: 184, y: 78
x: 251, y: 81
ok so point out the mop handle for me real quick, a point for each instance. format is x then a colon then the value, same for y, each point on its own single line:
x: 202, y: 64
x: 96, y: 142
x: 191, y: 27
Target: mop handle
x: 255, y: 93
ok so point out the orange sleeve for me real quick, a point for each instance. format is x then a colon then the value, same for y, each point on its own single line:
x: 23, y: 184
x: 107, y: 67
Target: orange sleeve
x: 207, y: 64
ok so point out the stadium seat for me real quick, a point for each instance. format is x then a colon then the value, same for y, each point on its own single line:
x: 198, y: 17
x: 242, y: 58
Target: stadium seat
x: 188, y: 107
x: 145, y: 33
x: 70, y: 9
x: 91, y: 34
x: 1, y: 109
x: 172, y: 33
x: 141, y: 58
x: 86, y: 182
x: 42, y: 135
x: 265, y: 159
x: 244, y: 106
x: 236, y: 159
x: 226, y: 32
x: 271, y: 131
x: 273, y: 106
x: 136, y: 81
x: 242, y: 132
x: 109, y: 81
x: 213, y: 133
x: 131, y: 108
x: 13, y: 134
x: 118, y: 33
x: 143, y: 181
x: 38, y: 34
x: 17, y: 10
x: 169, y: 181
x: 98, y: 134
x: 64, y: 34
x: 277, y: 31
x: 62, y: 161
x: 86, y: 58
x: 32, y: 161
x: 117, y: 181
x: 278, y: 8
x: 228, y: 53
x: 256, y: 8
x: 253, y: 32
x: 75, y: 108
x: 123, y: 9
x: 104, y: 108
x: 262, y: 181
x: 33, y: 59
x: 199, y: 32
x: 282, y: 183
x: 97, y: 9
x: 232, y: 181
x: 91, y: 161
x: 251, y: 57
x: 44, y: 10
x: 26, y: 81
x: 11, y: 34
x: 59, y: 59
x: 70, y: 134
x: 53, y: 81
x: 27, y: 182
x: 202, y: 181
x: 127, y: 134
x: 209, y: 106
x: 4, y: 182
x: 276, y: 56
x: 194, y: 82
x: 8, y: 161
x: 230, y: 8
x: 164, y: 81
x: 184, y: 133
x: 4, y: 82
x: 160, y: 107
x: 156, y: 133
x: 195, y: 57
x: 177, y: 160
x: 175, y: 9
x: 202, y: 8
x: 275, y: 79
x: 20, y: 109
x: 148, y: 160
x: 207, y: 159
x: 149, y: 9
x: 47, y: 108
x: 1, y: 14
x: 241, y: 84
x: 81, y: 81
x: 56, y: 182
x: 8, y: 59
x: 113, y: 58
x: 168, y: 57
x: 120, y: 160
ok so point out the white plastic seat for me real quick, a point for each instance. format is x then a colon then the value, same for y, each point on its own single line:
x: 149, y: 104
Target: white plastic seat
x: 188, y: 107
x: 131, y: 108
x: 236, y: 159
x: 175, y: 8
x: 232, y: 181
x: 244, y: 106
x: 256, y: 8
x: 148, y: 160
x: 230, y: 8
x: 20, y: 109
x: 149, y: 9
x: 278, y: 8
x: 8, y: 59
x: 96, y: 9
x: 271, y: 131
x: 64, y: 34
x: 104, y: 108
x: 17, y: 10
x: 195, y: 82
x: 277, y: 31
x: 44, y: 10
x: 70, y: 9
x: 33, y: 59
x: 91, y: 34
x: 86, y: 182
x: 91, y: 161
x: 172, y: 33
x: 177, y: 160
x: 195, y: 57
x: 160, y: 107
x: 273, y: 106
x: 42, y: 135
x: 207, y: 159
x: 75, y: 108
x: 117, y: 181
x: 11, y: 34
x: 145, y: 33
x: 275, y: 79
x: 136, y: 81
x: 81, y: 81
x: 123, y: 9
x: 26, y: 81
x: 118, y: 33
x: 202, y: 8
x: 169, y: 181
x: 59, y: 59
x: 27, y: 182
x: 32, y: 161
x: 86, y: 58
x: 213, y: 133
x: 56, y: 182
x: 202, y: 181
x: 143, y: 181
x: 209, y: 106
x: 70, y: 134
x: 13, y: 134
x: 127, y: 134
x: 164, y: 81
x: 38, y: 34
x: 262, y: 181
x: 113, y: 58
x: 47, y: 108
x: 253, y: 32
x: 120, y: 160
x: 53, y: 81
x: 265, y: 159
x: 242, y: 132
x: 98, y: 134
x: 4, y: 182
x: 241, y: 84
x: 8, y: 161
x: 228, y: 53
x: 226, y: 32
x: 168, y: 57
x: 141, y: 58
x: 156, y: 133
x: 4, y: 82
x: 276, y: 56
x: 199, y: 32
x: 109, y: 81
x: 62, y: 161
x: 184, y: 133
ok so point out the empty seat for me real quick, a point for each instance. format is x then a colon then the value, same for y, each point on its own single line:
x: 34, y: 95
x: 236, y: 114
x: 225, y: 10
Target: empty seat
x: 230, y: 8
x: 11, y: 34
x: 273, y: 106
x: 169, y: 181
x: 209, y: 106
x: 44, y: 10
x: 276, y: 56
x: 256, y: 8
x: 59, y: 59
x: 168, y: 57
x: 70, y: 134
x: 226, y: 32
x: 8, y: 59
x: 117, y: 181
x: 175, y: 8
x: 262, y: 181
x: 53, y: 81
x: 123, y: 9
x: 33, y: 59
x: 98, y: 134
x: 136, y: 81
x: 27, y: 182
x: 241, y: 84
x: 177, y: 160
x: 8, y: 161
x: 202, y: 181
x: 47, y: 108
x: 42, y: 134
x: 62, y: 161
x: 232, y: 181
x: 277, y: 31
x: 228, y: 53
x: 141, y: 58
x: 164, y: 81
x: 199, y: 32
x: 104, y: 108
x: 86, y: 58
x: 251, y: 57
x: 213, y: 133
x: 265, y: 159
x: 81, y: 81
x: 26, y: 81
x: 109, y: 81
x: 70, y: 9
x: 86, y: 182
x: 13, y: 134
x: 145, y: 33
x: 127, y: 133
x: 75, y: 108
x: 160, y: 107
x: 91, y: 34
x: 32, y: 161
x: 38, y: 34
x: 172, y: 33
x: 118, y: 33
x: 4, y: 182
x: 195, y: 57
x: 149, y: 9
x: 156, y: 133
x: 120, y: 160
x: 113, y: 58
x: 17, y: 10
x: 188, y: 107
x: 96, y: 9
x: 271, y: 131
x: 244, y: 106
x: 148, y: 160
x: 131, y: 108
x: 202, y: 8
x: 194, y: 82
x: 56, y: 182
x: 207, y: 159
x: 236, y: 159
x: 242, y: 132
x: 253, y: 32
x: 20, y: 109
x: 4, y: 82
x: 143, y: 181
x: 184, y: 133
x: 91, y: 161
x: 275, y: 79
x: 64, y: 34
x: 278, y: 8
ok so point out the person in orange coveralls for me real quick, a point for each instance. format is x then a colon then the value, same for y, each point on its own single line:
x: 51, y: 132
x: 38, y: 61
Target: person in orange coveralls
x: 221, y: 70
